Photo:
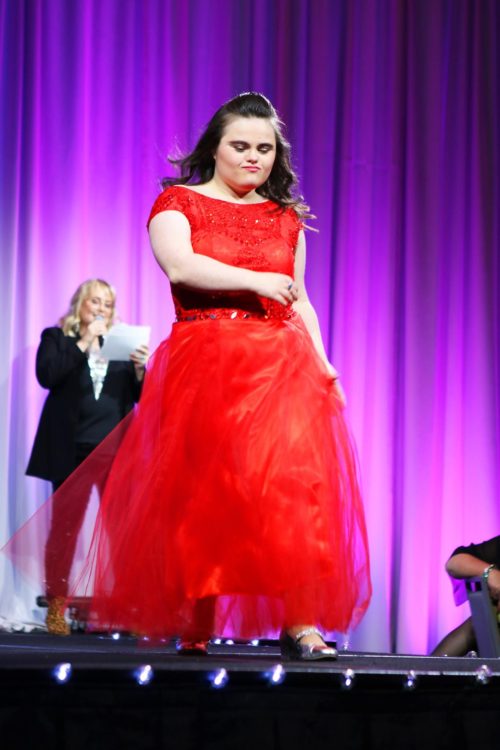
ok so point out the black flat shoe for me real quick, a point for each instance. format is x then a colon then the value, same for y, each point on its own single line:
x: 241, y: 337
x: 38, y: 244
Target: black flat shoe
x: 292, y: 648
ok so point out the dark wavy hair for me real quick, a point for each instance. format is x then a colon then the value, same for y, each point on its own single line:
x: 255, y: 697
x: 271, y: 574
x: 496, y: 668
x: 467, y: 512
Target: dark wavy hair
x: 198, y: 167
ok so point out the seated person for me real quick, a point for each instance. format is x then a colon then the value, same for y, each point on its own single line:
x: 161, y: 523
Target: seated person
x: 466, y: 562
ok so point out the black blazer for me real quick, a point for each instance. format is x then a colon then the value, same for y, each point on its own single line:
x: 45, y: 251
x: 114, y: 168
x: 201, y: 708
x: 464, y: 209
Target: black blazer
x: 59, y: 367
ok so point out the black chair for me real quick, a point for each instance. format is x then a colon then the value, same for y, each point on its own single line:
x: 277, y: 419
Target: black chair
x: 484, y: 617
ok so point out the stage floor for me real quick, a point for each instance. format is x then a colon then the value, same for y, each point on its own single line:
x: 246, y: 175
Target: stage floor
x: 359, y: 701
x: 104, y: 652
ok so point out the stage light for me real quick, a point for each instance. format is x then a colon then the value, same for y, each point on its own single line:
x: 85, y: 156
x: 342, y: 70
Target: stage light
x: 483, y: 674
x: 275, y: 675
x: 219, y: 679
x: 144, y: 674
x: 255, y: 642
x: 410, y: 680
x: 229, y: 642
x: 217, y: 641
x: 115, y: 636
x: 347, y: 680
x: 62, y: 672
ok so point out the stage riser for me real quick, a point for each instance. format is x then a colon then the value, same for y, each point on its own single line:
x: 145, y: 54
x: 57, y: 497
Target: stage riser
x: 454, y: 703
x: 107, y: 709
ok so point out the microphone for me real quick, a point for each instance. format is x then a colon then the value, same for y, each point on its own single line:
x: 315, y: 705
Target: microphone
x: 100, y: 338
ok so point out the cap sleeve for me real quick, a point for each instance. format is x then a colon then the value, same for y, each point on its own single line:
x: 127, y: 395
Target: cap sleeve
x: 296, y: 226
x: 171, y: 199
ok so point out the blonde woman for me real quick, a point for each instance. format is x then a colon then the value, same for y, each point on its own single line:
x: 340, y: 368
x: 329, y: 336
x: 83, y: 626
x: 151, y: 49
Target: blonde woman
x: 88, y: 396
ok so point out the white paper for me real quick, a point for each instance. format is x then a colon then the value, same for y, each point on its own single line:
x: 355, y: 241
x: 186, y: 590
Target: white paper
x: 122, y: 339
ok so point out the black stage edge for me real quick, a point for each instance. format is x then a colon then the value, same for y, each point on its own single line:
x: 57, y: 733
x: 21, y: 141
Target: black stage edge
x: 385, y: 702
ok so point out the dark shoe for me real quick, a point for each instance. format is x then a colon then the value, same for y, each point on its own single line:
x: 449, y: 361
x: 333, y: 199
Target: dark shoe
x: 292, y: 648
x: 192, y: 648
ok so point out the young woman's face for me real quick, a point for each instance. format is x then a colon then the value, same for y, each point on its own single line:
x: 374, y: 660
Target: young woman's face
x: 99, y: 302
x: 245, y: 155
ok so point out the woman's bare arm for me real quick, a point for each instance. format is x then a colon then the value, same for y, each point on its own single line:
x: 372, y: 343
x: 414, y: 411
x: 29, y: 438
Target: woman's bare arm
x: 170, y: 236
x: 304, y: 307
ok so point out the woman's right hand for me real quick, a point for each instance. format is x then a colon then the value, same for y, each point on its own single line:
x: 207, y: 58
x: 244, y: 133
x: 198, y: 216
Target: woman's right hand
x: 276, y: 286
x: 97, y: 328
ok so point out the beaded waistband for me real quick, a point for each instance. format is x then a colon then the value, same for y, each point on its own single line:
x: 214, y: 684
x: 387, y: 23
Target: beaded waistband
x: 221, y: 313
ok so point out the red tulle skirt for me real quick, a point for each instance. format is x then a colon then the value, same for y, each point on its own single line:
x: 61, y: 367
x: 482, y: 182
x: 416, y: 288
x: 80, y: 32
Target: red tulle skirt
x: 231, y: 503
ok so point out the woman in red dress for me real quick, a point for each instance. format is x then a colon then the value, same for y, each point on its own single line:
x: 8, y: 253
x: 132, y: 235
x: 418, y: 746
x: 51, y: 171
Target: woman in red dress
x: 232, y: 506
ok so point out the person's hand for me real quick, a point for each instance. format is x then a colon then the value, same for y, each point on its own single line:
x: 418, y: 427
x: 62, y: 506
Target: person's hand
x: 494, y: 584
x: 140, y: 357
x: 276, y: 286
x: 337, y: 385
x: 98, y: 327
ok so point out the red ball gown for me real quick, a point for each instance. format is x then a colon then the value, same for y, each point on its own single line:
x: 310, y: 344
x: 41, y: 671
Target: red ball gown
x: 232, y: 506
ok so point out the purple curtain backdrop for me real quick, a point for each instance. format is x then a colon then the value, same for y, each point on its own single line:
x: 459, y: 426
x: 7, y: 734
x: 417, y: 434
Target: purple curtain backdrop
x: 393, y: 110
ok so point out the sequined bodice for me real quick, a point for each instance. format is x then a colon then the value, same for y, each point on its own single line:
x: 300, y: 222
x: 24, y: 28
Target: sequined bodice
x: 257, y: 236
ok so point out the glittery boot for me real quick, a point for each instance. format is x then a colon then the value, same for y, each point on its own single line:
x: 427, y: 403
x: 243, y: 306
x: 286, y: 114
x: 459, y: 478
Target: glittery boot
x: 56, y: 624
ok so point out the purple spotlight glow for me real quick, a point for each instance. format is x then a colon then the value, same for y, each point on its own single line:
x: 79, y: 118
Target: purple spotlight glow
x: 219, y: 679
x: 347, y: 679
x: 276, y: 675
x: 483, y: 674
x: 144, y: 674
x: 62, y: 672
x: 410, y: 681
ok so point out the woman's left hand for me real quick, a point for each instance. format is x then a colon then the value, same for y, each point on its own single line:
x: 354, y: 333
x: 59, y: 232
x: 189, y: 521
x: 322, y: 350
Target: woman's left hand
x: 140, y: 358
x: 335, y: 376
